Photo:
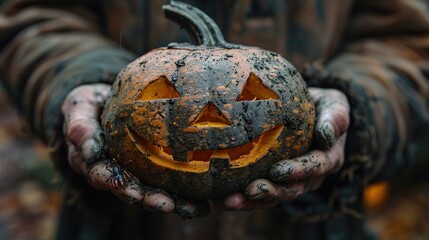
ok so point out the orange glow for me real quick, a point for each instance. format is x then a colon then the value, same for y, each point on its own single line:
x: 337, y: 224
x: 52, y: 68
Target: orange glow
x: 199, y: 161
x: 376, y: 195
x: 160, y: 88
x: 254, y: 89
x: 210, y: 117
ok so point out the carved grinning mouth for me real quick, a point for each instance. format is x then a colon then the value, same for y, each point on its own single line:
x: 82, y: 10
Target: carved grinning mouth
x: 199, y: 160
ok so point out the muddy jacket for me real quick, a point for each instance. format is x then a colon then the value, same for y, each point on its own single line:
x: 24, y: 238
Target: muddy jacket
x: 375, y: 51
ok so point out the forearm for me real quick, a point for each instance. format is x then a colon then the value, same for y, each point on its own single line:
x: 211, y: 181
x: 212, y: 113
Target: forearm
x: 46, y: 51
x: 383, y: 68
x: 388, y: 92
x: 387, y: 89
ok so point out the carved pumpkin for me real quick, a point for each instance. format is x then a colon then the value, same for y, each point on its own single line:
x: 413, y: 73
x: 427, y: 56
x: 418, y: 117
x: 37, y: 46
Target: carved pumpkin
x: 204, y: 120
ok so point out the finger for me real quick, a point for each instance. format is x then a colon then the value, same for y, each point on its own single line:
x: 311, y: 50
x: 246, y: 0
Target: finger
x: 262, y: 190
x: 155, y: 200
x: 99, y: 176
x: 279, y: 192
x: 81, y: 110
x: 255, y: 198
x: 289, y: 192
x: 259, y: 194
x: 238, y: 201
x: 314, y: 164
x: 75, y: 160
x: 191, y: 209
x: 272, y: 192
x: 332, y: 115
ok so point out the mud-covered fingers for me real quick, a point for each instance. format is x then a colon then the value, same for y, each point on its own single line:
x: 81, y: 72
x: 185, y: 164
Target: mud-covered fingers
x: 101, y: 175
x: 155, y: 200
x: 289, y: 179
x: 269, y: 196
x: 291, y: 191
x: 81, y: 110
x: 333, y: 115
x: 89, y: 95
x: 191, y: 208
x: 266, y: 192
x: 261, y: 190
x: 314, y: 164
x: 279, y: 192
x: 259, y: 194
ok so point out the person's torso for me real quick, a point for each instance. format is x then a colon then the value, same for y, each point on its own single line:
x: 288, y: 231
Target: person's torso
x: 300, y: 30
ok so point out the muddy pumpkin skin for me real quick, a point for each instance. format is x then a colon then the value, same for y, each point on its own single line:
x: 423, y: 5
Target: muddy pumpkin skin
x: 204, y: 121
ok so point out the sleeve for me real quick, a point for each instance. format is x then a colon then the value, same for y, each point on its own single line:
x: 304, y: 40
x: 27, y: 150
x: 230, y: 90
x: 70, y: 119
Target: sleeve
x: 47, y: 48
x: 383, y: 68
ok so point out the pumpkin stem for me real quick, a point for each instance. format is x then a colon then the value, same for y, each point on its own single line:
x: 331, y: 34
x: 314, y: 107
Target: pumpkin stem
x: 202, y: 28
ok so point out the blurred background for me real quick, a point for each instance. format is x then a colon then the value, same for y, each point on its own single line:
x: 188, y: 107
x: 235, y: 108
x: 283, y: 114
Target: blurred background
x: 30, y: 190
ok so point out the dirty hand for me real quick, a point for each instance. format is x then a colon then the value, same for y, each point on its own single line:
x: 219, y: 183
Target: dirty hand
x: 290, y: 178
x: 84, y: 137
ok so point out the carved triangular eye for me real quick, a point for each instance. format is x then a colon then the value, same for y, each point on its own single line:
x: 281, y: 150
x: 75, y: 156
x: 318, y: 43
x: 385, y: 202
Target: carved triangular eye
x: 160, y: 88
x: 210, y: 116
x: 254, y: 89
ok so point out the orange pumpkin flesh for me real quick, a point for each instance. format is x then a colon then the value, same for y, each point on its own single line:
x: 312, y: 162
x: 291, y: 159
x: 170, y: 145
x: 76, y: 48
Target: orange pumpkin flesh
x: 204, y: 121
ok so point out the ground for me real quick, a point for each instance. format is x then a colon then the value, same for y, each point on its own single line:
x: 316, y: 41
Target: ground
x: 30, y: 191
x: 29, y: 188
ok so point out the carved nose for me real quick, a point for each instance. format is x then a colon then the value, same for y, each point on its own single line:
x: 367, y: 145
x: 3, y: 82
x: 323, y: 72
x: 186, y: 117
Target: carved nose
x: 210, y: 117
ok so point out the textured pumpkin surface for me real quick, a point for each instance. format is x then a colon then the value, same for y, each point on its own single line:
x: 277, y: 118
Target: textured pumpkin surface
x: 204, y: 122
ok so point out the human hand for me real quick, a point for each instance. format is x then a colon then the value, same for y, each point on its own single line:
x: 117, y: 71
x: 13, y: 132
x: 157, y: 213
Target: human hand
x: 86, y: 156
x: 290, y: 178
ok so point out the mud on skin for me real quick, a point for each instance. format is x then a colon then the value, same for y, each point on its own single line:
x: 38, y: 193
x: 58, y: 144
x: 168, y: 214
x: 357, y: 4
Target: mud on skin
x: 187, y: 210
x: 192, y: 77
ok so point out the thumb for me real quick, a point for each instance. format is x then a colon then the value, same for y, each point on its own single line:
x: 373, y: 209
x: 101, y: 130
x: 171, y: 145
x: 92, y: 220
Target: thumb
x: 81, y: 110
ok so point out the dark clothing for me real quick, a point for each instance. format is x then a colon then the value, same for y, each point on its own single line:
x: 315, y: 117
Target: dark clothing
x: 375, y: 51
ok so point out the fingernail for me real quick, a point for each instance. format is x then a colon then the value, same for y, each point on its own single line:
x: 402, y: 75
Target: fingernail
x: 257, y: 192
x: 281, y: 171
x: 90, y: 150
x: 325, y: 135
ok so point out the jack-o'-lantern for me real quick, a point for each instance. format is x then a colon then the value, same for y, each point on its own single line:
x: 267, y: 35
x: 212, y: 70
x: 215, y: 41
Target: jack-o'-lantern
x: 204, y: 120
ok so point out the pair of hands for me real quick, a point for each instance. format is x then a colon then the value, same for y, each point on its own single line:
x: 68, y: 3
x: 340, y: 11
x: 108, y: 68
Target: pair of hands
x: 287, y: 180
